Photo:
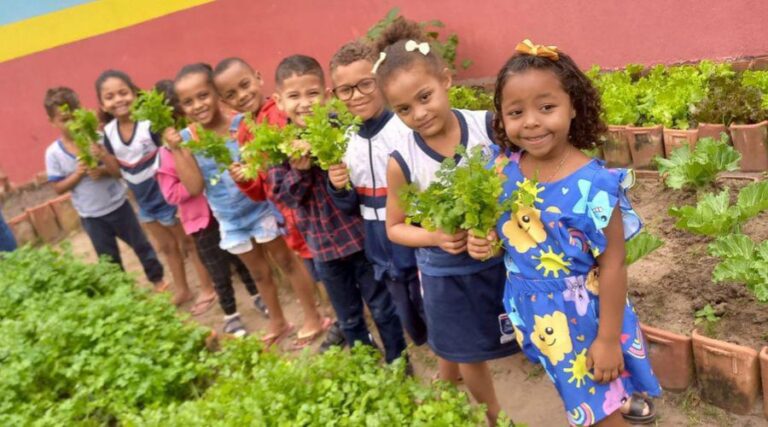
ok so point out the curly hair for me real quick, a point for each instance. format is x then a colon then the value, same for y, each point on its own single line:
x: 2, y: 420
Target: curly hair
x: 351, y: 52
x: 392, y: 42
x: 586, y: 127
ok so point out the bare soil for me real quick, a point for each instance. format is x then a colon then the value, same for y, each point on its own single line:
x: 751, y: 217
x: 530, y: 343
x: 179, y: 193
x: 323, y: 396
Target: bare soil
x: 671, y: 284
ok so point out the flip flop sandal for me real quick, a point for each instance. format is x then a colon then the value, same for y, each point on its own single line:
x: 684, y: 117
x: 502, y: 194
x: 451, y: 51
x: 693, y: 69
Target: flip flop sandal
x: 436, y: 377
x: 637, y: 404
x: 162, y: 287
x: 304, y: 340
x: 201, y: 306
x: 271, y: 339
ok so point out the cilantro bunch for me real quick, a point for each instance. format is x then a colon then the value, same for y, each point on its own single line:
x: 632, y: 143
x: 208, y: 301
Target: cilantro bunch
x: 713, y: 215
x: 462, y: 197
x: 327, y: 130
x: 210, y: 144
x: 152, y: 105
x: 698, y: 168
x: 84, y: 130
x: 742, y: 261
x: 269, y: 146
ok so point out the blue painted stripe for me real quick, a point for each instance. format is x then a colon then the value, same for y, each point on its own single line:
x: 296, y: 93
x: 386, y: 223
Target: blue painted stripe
x: 19, y: 10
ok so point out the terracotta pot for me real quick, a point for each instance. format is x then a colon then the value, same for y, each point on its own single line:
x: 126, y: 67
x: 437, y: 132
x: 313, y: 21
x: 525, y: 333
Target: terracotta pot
x: 66, y: 215
x: 764, y: 373
x: 671, y: 357
x: 728, y: 374
x: 43, y: 218
x: 22, y: 229
x: 615, y: 147
x: 645, y: 143
x: 712, y: 130
x: 676, y: 138
x: 750, y: 141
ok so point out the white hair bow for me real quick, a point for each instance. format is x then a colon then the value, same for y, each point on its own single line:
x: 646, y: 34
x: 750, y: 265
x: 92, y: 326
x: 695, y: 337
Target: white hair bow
x: 382, y: 57
x: 422, y: 47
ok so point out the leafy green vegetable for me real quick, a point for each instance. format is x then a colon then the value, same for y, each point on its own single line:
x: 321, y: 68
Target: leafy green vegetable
x: 707, y: 314
x: 640, y: 246
x: 752, y: 200
x: 212, y: 145
x: 700, y: 167
x: 714, y: 216
x: 470, y: 98
x: 742, y: 261
x: 269, y: 146
x: 462, y: 197
x: 327, y: 131
x: 729, y: 101
x: 152, y: 105
x: 668, y: 93
x: 619, y: 95
x: 84, y: 130
x: 757, y: 79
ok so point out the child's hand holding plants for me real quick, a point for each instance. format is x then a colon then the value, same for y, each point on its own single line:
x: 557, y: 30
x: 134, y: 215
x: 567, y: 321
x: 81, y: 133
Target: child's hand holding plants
x: 172, y: 138
x: 304, y: 162
x: 237, y: 172
x: 338, y: 174
x: 454, y: 244
x: 483, y: 248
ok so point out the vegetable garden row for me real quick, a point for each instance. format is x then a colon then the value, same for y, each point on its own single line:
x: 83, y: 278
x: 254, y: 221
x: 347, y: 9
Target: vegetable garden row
x: 82, y: 345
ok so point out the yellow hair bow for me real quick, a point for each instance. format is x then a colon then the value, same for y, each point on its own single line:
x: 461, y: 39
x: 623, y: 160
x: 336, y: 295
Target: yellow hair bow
x: 528, y: 48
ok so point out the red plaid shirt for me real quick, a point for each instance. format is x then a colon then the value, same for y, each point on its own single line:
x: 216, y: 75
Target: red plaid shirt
x: 330, y: 233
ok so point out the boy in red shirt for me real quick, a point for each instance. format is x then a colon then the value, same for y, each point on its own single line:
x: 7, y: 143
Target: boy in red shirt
x: 240, y: 88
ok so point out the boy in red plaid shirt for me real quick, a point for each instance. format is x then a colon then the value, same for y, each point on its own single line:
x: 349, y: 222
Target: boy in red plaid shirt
x: 334, y: 238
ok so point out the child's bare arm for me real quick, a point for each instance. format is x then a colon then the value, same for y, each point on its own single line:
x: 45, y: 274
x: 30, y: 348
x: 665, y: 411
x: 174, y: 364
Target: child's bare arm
x: 605, y: 353
x: 410, y: 235
x: 68, y: 183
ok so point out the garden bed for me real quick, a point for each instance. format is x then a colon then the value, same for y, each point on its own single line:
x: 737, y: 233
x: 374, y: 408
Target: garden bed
x: 670, y: 285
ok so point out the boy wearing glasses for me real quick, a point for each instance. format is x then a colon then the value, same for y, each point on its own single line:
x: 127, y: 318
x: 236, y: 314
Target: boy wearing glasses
x: 365, y: 166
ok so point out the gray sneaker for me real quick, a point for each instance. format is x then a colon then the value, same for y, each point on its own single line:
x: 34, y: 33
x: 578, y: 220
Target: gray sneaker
x: 234, y: 326
x: 259, y: 304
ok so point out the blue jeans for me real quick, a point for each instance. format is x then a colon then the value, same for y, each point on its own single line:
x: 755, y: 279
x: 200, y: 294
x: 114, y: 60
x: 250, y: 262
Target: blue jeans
x: 349, y: 281
x: 7, y: 241
x: 122, y: 223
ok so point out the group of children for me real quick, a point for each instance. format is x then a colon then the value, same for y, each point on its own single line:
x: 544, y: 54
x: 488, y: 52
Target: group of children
x: 469, y: 300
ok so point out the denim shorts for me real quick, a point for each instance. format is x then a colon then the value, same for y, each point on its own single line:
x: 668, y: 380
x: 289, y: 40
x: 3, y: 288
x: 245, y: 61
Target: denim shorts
x: 165, y: 216
x: 240, y: 241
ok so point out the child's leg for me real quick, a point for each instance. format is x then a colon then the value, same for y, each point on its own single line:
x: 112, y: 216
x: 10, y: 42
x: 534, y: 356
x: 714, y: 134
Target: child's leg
x: 406, y: 295
x: 379, y: 301
x: 448, y: 371
x: 127, y: 228
x: 216, y: 262
x: 256, y: 262
x: 340, y: 283
x: 244, y: 274
x: 103, y: 238
x: 168, y: 246
x: 188, y: 248
x: 479, y: 381
x: 613, y: 420
x: 301, y: 282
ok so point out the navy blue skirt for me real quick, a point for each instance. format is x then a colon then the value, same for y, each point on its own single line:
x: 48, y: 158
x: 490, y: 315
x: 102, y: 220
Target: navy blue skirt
x: 466, y: 320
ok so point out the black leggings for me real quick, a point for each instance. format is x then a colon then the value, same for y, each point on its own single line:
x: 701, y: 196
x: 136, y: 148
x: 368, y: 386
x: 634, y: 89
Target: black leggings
x: 218, y: 262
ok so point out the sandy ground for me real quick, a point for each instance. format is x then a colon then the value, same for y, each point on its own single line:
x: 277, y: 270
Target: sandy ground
x: 526, y: 394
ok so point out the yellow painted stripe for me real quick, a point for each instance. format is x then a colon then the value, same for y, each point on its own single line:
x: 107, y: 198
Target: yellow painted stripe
x: 80, y: 22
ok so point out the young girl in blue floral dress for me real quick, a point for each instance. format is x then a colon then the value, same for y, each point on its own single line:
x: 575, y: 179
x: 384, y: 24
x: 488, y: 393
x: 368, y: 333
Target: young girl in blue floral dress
x: 570, y: 221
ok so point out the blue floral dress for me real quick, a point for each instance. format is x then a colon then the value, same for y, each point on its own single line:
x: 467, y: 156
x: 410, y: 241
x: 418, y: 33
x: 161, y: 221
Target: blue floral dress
x: 551, y: 293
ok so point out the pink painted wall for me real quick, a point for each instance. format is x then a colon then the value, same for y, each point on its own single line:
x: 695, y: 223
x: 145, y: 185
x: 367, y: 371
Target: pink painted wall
x: 606, y: 32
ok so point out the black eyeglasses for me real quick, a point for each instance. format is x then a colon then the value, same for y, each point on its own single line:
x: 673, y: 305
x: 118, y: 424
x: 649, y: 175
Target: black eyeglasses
x: 364, y: 86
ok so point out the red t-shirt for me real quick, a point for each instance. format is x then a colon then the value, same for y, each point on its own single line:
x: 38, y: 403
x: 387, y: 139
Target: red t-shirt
x: 257, y: 189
